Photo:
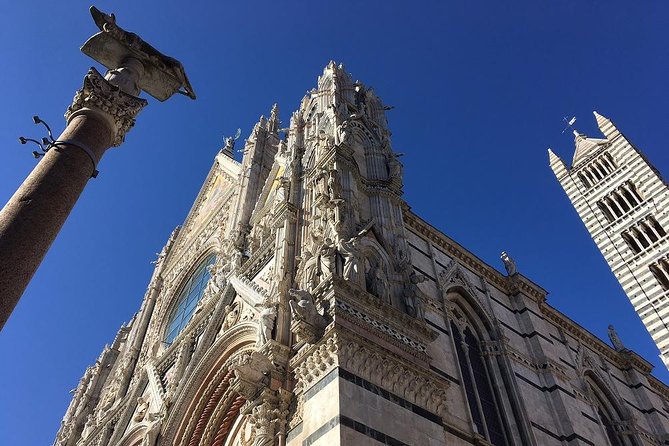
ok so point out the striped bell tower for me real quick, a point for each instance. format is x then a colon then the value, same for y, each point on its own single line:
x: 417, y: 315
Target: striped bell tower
x: 623, y: 203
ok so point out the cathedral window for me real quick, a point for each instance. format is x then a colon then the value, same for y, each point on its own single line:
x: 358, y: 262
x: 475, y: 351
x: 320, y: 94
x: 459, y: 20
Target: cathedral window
x: 190, y: 294
x: 603, y: 206
x: 481, y: 398
x: 607, y: 413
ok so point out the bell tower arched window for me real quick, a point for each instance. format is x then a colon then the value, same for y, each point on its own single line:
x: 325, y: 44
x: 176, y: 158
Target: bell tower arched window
x: 190, y: 294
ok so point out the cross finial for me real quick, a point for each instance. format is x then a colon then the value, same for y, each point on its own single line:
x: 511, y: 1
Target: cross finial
x: 569, y: 124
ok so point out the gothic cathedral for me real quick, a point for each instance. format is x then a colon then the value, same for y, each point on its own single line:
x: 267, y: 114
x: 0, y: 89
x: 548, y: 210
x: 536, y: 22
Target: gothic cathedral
x: 302, y: 302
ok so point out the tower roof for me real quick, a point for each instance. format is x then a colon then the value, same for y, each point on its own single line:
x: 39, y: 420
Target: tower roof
x: 585, y: 146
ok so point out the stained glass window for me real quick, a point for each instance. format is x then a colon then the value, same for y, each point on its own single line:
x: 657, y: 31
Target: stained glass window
x: 190, y: 295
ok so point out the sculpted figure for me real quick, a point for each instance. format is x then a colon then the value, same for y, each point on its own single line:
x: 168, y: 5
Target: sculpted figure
x: 142, y: 407
x: 266, y: 319
x: 319, y: 183
x: 327, y: 257
x: 349, y: 251
x: 302, y: 307
x: 231, y: 314
x: 334, y: 185
x: 394, y: 166
x: 88, y: 426
x: 509, y: 264
x: 217, y: 280
x: 151, y: 434
x: 343, y: 133
x: 615, y: 339
x: 377, y: 283
x: 310, y: 269
x: 411, y: 293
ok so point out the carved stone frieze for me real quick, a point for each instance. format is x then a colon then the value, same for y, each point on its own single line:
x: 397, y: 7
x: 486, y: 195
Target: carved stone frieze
x: 390, y: 331
x: 373, y: 364
x: 99, y: 94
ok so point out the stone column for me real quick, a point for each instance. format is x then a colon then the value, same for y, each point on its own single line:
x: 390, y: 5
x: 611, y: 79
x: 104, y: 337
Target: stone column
x: 102, y: 112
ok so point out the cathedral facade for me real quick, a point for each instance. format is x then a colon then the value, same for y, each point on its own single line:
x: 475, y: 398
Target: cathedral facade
x: 622, y: 201
x: 302, y: 302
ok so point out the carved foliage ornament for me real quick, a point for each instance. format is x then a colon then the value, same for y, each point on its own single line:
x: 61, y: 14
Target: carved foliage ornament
x: 98, y: 94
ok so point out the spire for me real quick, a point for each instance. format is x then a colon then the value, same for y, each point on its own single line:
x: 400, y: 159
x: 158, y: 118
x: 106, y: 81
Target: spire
x: 606, y: 126
x: 558, y: 166
x: 273, y: 123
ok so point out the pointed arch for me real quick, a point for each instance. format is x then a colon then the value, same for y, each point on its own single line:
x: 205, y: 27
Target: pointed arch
x: 480, y: 373
x: 205, y: 407
x: 608, y: 407
x: 456, y: 286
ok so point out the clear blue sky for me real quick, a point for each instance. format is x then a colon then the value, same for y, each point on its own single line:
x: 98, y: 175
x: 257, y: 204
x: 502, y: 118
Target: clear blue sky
x: 480, y: 90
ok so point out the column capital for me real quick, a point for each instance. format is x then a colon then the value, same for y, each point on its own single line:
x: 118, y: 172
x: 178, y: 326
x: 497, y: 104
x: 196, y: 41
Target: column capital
x: 99, y: 96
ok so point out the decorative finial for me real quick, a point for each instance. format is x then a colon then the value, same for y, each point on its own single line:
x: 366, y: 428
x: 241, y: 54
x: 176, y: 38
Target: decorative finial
x: 509, y: 263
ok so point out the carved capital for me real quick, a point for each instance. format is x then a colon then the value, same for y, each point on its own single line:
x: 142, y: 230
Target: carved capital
x: 100, y: 95
x: 268, y: 416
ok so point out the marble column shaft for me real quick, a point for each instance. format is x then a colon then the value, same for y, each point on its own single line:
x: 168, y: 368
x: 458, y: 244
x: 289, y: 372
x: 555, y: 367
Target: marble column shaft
x: 33, y: 216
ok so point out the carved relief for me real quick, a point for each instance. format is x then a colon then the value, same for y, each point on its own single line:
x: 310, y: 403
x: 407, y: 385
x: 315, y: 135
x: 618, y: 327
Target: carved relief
x: 380, y: 367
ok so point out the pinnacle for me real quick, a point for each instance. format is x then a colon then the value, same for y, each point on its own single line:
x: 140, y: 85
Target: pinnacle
x: 598, y: 116
x: 552, y: 156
